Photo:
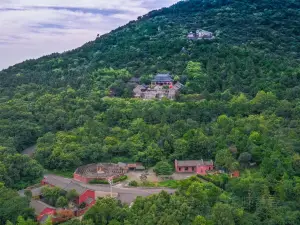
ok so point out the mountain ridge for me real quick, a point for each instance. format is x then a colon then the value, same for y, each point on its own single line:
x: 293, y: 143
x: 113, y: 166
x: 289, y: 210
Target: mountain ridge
x: 107, y: 50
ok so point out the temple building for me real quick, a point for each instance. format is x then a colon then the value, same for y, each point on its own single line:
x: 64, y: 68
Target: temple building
x: 162, y: 86
x: 200, y: 34
x: 162, y: 80
x: 194, y: 166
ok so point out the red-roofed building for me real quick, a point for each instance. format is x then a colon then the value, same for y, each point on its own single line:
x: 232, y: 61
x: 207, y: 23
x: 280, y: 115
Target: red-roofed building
x: 194, y: 166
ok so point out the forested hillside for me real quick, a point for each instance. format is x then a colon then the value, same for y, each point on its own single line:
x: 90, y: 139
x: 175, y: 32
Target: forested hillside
x: 239, y: 106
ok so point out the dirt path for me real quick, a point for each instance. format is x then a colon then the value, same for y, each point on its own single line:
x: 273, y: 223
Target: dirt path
x: 29, y: 151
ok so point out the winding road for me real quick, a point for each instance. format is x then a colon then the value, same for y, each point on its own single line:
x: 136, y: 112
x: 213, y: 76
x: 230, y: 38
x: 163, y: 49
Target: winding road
x: 126, y: 195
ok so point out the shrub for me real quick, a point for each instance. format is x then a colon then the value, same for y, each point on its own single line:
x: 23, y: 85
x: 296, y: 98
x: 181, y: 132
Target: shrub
x: 61, y: 202
x: 133, y: 183
x: 95, y: 181
x: 118, y: 179
x: 148, y: 184
x: 169, y: 183
x: 121, y: 178
x: 72, y: 194
x: 163, y: 168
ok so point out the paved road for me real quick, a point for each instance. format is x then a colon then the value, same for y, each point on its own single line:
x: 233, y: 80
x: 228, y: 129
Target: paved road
x: 126, y: 195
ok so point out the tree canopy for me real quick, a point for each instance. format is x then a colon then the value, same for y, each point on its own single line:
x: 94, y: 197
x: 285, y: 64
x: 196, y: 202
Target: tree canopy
x: 239, y: 106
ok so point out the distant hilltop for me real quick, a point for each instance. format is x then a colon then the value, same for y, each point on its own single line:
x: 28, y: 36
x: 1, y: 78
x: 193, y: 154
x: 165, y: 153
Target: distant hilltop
x: 200, y: 34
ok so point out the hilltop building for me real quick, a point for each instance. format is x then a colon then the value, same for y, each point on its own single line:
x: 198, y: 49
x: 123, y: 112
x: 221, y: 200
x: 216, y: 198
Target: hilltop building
x: 200, y: 34
x: 194, y: 166
x: 161, y: 86
x: 162, y: 80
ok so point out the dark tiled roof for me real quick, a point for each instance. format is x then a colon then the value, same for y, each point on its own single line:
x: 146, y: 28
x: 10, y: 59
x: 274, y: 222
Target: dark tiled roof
x: 73, y: 186
x: 66, y: 185
x: 56, y: 182
x: 39, y: 206
x: 121, y: 164
x: 194, y: 163
x: 163, y: 78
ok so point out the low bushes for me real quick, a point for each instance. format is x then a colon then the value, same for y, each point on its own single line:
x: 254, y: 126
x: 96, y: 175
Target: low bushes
x: 133, y: 183
x: 169, y: 183
x: 95, y: 181
x: 121, y: 178
x: 219, y: 180
x: 116, y: 180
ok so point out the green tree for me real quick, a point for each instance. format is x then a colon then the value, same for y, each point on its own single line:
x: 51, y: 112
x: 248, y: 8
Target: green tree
x: 200, y: 220
x: 106, y: 210
x: 28, y: 194
x: 71, y: 195
x: 244, y: 159
x: 222, y: 214
x: 163, y: 168
x: 197, y: 78
x: 22, y: 221
x: 51, y: 194
x: 12, y: 206
x: 61, y: 202
x: 224, y: 159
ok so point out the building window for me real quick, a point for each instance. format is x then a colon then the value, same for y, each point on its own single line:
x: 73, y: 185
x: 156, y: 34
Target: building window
x: 186, y: 168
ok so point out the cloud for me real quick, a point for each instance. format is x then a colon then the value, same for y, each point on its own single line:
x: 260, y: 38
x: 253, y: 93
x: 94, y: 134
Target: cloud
x: 33, y: 28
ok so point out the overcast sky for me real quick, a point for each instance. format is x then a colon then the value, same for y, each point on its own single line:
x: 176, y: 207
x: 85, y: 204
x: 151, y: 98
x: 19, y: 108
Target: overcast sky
x: 32, y: 28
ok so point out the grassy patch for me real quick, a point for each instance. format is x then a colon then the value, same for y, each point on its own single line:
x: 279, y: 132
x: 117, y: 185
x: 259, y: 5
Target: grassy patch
x: 119, y: 179
x: 169, y: 183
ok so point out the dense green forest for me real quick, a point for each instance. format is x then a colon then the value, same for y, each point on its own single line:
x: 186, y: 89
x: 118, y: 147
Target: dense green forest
x: 239, y: 106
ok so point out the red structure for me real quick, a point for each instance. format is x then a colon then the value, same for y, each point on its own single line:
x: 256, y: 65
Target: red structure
x: 194, y: 166
x: 81, y: 178
x: 85, y: 195
x: 42, y: 210
x: 235, y: 173
x: 46, y: 213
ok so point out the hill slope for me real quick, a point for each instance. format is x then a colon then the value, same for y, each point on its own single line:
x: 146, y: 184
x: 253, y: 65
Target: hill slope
x: 256, y: 42
x: 240, y: 108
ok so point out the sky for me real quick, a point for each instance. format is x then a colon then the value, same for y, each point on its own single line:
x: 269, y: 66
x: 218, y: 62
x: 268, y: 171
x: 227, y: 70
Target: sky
x: 33, y: 28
